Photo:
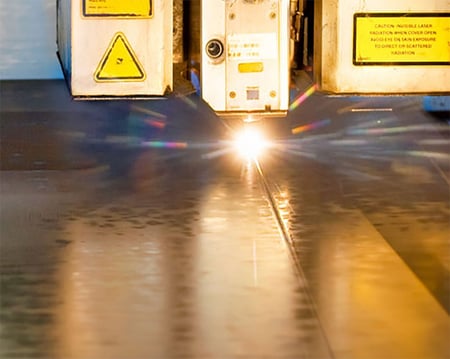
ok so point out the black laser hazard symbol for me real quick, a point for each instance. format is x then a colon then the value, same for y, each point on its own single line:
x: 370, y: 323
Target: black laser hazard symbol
x: 119, y: 63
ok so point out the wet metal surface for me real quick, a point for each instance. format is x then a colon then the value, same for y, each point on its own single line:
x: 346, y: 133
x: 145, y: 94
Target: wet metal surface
x: 132, y: 230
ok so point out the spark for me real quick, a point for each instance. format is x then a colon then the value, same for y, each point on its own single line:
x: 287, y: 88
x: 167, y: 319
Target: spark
x: 250, y: 143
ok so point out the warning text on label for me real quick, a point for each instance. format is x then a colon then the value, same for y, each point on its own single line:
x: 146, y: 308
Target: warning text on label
x: 117, y: 8
x: 401, y: 39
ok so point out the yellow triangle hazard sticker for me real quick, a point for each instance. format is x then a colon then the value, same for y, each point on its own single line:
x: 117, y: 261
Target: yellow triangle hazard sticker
x: 119, y: 63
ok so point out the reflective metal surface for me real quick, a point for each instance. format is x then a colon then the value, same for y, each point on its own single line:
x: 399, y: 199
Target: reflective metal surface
x: 364, y: 196
x: 133, y: 230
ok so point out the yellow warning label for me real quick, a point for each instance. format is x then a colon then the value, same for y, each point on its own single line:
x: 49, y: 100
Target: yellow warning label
x: 402, y: 39
x: 119, y: 63
x: 118, y: 8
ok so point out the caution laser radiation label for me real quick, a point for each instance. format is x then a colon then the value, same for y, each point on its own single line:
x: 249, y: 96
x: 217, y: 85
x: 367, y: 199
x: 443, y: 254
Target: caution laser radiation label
x: 118, y: 8
x: 401, y: 39
x: 119, y: 63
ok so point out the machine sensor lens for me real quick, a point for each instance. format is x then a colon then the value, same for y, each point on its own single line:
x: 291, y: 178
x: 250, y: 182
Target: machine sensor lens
x: 214, y: 48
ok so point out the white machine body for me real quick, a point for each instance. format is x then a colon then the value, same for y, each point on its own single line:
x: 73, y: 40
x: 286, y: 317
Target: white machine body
x: 115, y: 48
x: 382, y: 46
x: 245, y: 56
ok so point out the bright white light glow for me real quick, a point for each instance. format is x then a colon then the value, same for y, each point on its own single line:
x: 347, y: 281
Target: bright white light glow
x: 250, y: 143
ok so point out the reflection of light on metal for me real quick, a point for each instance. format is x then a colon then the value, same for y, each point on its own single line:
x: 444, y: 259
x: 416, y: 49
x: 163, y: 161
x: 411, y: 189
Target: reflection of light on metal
x: 255, y: 265
x: 250, y: 143
x: 249, y: 119
x: 188, y: 101
x: 214, y: 154
x: 431, y: 155
x: 348, y: 142
x: 374, y: 123
x: 310, y: 126
x: 371, y: 109
x: 284, y: 207
x: 302, y: 97
x: 147, y: 111
x: 394, y: 130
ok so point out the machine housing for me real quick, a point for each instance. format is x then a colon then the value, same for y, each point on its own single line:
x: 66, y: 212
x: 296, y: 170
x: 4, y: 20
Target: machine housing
x: 245, y: 56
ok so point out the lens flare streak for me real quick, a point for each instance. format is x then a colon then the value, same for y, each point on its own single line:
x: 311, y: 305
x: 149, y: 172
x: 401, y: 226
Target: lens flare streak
x: 155, y: 123
x: 391, y: 130
x: 431, y: 155
x: 215, y: 154
x: 300, y: 99
x: 164, y: 144
x: 310, y: 126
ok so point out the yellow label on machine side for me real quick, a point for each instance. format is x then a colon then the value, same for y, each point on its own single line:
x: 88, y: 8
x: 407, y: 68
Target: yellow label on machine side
x: 251, y: 67
x: 118, y: 8
x: 401, y: 39
x: 119, y: 63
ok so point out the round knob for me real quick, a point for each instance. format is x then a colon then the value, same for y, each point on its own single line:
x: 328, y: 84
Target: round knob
x: 214, y: 48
